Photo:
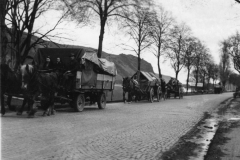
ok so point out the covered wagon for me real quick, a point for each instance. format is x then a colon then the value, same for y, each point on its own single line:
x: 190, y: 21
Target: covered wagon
x: 149, y: 85
x: 94, y: 79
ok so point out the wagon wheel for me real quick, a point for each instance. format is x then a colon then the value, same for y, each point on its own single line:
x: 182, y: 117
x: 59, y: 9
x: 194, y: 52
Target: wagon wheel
x: 151, y: 95
x: 79, y: 102
x: 101, y: 101
x: 158, y: 94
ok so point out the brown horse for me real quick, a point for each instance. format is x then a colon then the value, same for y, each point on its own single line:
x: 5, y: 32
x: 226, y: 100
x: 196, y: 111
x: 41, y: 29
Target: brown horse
x: 36, y: 83
x: 10, y: 85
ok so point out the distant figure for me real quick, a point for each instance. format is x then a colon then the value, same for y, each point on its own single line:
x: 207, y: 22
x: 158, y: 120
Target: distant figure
x: 237, y: 89
x: 47, y: 64
x: 59, y: 66
x: 135, y: 81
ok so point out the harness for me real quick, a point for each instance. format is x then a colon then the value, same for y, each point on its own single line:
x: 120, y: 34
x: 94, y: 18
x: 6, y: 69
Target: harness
x: 34, y: 86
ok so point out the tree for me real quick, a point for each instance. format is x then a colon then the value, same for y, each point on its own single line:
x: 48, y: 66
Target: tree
x: 206, y: 61
x: 3, y: 35
x: 209, y: 70
x: 215, y: 73
x: 190, y: 56
x: 160, y: 33
x: 224, y: 66
x: 234, y: 79
x: 104, y: 9
x: 233, y: 48
x: 201, y: 52
x: 21, y: 17
x: 138, y: 27
x: 176, y: 52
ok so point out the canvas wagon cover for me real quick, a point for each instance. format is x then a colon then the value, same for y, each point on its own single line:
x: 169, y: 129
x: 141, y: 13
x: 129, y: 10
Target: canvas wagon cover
x: 105, y: 66
x: 150, y: 77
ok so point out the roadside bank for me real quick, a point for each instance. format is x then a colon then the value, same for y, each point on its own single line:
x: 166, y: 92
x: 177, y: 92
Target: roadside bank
x: 226, y: 142
x: 197, y: 142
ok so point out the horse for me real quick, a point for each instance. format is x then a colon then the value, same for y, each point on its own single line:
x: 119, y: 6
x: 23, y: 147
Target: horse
x: 131, y: 88
x: 35, y: 83
x: 11, y: 85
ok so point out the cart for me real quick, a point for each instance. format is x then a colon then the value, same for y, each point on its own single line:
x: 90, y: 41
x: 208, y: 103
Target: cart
x: 92, y: 82
x: 149, y: 86
x: 175, y: 89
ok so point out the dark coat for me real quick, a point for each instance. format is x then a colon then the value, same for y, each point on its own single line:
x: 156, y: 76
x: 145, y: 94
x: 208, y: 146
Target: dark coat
x: 59, y: 66
x: 73, y: 66
x: 47, y: 66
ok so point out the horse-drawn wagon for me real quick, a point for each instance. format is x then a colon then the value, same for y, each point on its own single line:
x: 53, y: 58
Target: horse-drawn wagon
x: 174, y: 87
x: 94, y: 78
x: 149, y: 86
x: 218, y: 88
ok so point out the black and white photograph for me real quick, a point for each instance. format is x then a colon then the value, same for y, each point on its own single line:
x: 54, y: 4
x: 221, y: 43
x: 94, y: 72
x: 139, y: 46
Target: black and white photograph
x: 120, y: 79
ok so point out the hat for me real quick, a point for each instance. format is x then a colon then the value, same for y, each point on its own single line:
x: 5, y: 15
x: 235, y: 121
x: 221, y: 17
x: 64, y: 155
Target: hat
x: 72, y: 55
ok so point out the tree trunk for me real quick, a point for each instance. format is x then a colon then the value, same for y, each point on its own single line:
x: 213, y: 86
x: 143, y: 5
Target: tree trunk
x: 139, y: 62
x: 208, y: 83
x: 100, y: 42
x: 177, y: 74
x: 159, y: 68
x: 224, y: 84
x: 188, y: 70
x: 3, y: 36
x: 158, y: 56
x: 139, y: 53
x: 204, y: 80
x: 196, y: 78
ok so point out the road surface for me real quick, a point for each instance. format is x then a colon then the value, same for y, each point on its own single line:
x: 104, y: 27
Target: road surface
x: 140, y: 130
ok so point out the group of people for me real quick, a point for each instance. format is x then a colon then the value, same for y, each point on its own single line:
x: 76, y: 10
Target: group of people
x: 69, y: 70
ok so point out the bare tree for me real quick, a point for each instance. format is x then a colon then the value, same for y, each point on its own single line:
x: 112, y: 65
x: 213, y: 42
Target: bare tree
x: 209, y: 70
x: 176, y: 53
x: 233, y: 48
x: 206, y: 60
x: 215, y: 75
x: 224, y: 66
x: 138, y: 26
x: 201, y: 52
x: 190, y: 56
x: 160, y: 33
x: 21, y: 17
x: 104, y: 9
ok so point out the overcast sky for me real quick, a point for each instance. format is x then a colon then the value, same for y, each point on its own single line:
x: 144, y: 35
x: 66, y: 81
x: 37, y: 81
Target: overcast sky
x: 210, y: 20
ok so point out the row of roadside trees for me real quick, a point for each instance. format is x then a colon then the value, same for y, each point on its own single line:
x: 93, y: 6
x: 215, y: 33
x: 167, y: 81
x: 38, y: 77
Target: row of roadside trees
x: 147, y: 24
x: 230, y: 54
